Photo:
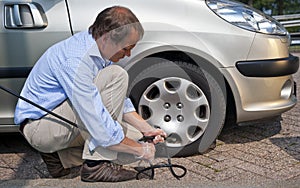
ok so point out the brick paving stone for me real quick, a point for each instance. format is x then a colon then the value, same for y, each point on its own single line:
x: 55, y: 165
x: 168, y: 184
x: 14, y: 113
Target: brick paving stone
x: 230, y: 173
x: 246, y: 178
x: 226, y: 164
x: 26, y: 172
x: 202, y: 160
x: 254, y: 169
x: 226, y: 135
x: 12, y: 160
x: 252, y: 158
x: 22, y: 169
x: 252, y: 136
x: 284, y: 174
x: 6, y: 172
x: 193, y: 176
x: 238, y: 138
x: 223, y: 147
x: 281, y: 164
x: 262, y: 131
x: 166, y: 175
x: 201, y: 170
x: 266, y: 144
x: 294, y: 178
x: 195, y: 171
x: 276, y: 154
x: 219, y: 156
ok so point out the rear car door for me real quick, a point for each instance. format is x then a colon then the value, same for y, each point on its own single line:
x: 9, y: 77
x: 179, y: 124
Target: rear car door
x: 27, y: 29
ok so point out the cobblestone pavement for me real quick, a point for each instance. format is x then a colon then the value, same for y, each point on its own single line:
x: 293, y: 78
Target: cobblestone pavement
x: 267, y: 151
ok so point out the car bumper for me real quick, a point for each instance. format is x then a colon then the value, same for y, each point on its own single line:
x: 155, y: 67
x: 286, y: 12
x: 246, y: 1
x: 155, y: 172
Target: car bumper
x: 269, y: 68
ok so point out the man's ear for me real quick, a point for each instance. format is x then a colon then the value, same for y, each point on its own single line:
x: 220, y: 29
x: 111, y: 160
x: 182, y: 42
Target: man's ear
x: 104, y: 37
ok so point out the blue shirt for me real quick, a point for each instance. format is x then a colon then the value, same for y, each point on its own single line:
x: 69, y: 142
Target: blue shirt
x: 67, y: 71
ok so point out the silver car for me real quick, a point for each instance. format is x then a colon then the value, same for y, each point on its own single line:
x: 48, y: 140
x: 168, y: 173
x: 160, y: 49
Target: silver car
x: 200, y: 62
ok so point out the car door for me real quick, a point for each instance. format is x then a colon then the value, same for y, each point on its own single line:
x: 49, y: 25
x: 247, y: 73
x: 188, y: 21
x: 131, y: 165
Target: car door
x: 27, y: 29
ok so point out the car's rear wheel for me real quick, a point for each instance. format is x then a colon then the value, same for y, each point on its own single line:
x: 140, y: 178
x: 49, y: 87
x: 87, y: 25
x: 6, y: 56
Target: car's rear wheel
x: 181, y: 99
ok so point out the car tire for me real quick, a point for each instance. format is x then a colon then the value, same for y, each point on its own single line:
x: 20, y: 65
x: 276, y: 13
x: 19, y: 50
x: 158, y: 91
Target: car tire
x: 182, y: 99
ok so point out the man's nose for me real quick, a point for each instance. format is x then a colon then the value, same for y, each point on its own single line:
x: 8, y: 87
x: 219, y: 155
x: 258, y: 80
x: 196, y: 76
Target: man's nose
x: 128, y: 53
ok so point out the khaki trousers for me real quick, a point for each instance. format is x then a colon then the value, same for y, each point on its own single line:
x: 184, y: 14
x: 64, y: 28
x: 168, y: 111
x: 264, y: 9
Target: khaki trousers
x: 50, y: 134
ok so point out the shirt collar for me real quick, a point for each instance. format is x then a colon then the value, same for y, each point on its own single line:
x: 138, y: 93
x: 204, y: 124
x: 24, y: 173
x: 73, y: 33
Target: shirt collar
x: 94, y: 51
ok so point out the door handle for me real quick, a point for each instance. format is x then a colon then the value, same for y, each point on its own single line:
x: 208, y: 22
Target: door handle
x: 24, y: 16
x: 16, y: 15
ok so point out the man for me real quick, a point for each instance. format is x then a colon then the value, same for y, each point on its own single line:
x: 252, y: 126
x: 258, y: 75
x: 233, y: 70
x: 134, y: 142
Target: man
x: 75, y: 78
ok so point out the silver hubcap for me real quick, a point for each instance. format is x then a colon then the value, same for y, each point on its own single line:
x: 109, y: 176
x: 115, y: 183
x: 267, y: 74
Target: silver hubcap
x: 179, y: 107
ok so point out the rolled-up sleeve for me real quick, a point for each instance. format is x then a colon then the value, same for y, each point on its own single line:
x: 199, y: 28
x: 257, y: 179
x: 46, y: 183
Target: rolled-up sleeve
x: 128, y: 106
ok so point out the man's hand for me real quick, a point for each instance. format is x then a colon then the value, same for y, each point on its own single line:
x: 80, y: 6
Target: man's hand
x: 140, y: 124
x: 159, y: 134
x: 148, y: 151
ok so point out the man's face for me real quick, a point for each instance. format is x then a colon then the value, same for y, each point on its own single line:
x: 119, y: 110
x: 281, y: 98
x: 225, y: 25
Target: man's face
x: 126, y: 51
x: 114, y: 52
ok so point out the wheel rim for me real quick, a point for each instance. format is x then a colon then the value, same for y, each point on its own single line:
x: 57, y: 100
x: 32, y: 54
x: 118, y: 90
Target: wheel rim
x: 179, y: 107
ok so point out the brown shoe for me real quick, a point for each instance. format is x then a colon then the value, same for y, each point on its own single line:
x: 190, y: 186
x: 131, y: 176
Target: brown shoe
x: 105, y: 171
x: 54, y: 166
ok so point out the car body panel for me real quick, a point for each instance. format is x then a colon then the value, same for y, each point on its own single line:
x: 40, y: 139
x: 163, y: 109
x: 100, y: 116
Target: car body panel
x: 270, y: 47
x: 181, y: 21
x: 21, y: 47
x: 171, y: 25
x: 253, y: 98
